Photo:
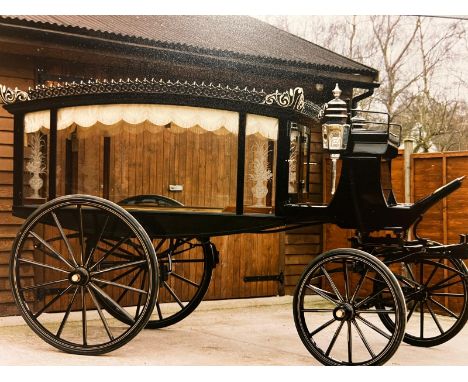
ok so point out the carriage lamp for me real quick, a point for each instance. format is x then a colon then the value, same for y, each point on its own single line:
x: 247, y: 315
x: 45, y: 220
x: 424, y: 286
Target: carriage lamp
x: 335, y: 130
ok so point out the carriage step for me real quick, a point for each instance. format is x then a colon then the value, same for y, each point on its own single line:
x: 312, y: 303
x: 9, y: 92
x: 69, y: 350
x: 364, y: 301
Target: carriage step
x: 279, y: 278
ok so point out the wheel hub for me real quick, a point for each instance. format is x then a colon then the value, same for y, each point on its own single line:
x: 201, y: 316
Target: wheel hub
x: 79, y: 276
x: 343, y: 312
x: 421, y: 294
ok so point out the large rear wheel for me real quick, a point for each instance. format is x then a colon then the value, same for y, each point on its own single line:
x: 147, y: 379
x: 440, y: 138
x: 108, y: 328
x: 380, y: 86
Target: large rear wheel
x: 186, y: 266
x: 71, y: 261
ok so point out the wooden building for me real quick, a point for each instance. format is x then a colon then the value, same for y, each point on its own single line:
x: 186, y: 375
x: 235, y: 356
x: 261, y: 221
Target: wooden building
x: 227, y: 50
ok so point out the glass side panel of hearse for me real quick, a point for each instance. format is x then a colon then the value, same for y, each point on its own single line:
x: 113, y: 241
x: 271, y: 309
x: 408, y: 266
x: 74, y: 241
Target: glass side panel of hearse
x: 144, y: 153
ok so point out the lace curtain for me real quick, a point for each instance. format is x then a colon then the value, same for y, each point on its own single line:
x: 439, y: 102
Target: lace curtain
x: 133, y: 117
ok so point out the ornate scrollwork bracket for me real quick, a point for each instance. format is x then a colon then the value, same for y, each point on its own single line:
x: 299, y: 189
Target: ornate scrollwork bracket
x: 8, y: 95
x: 293, y: 98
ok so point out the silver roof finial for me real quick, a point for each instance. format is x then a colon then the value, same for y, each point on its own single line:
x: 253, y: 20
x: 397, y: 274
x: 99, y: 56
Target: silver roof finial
x: 336, y: 92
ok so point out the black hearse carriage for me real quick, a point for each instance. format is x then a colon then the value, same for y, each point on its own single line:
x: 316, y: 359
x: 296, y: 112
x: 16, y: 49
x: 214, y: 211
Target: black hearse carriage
x: 108, y: 257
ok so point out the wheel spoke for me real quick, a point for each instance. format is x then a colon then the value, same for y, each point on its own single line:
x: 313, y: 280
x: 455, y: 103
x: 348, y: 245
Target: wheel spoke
x: 84, y: 322
x: 350, y: 343
x: 361, y: 334
x: 436, y: 266
x: 321, y: 327
x: 127, y: 272
x: 166, y: 285
x: 101, y: 314
x: 434, y: 317
x: 335, y: 336
x: 64, y: 238
x: 358, y: 286
x: 32, y: 262
x: 124, y: 293
x: 332, y: 284
x: 159, y: 245
x: 444, y: 266
x: 158, y: 308
x: 67, y: 313
x: 369, y: 298
x: 421, y: 319
x: 447, y: 294
x: 441, y: 285
x: 410, y: 313
x: 52, y: 301
x: 110, y: 252
x: 125, y: 252
x: 322, y: 293
x: 372, y: 326
x: 91, y: 253
x: 121, y: 266
x: 346, y: 280
x: 185, y: 279
x: 81, y: 233
x: 410, y: 272
x: 54, y: 253
x: 42, y: 285
x: 175, y: 261
x: 444, y: 308
x: 111, y: 302
x: 126, y: 287
x: 376, y: 311
x: 191, y: 246
x: 143, y: 280
x: 316, y: 310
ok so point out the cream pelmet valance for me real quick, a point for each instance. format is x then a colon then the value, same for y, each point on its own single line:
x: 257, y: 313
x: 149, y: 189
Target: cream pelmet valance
x: 158, y: 115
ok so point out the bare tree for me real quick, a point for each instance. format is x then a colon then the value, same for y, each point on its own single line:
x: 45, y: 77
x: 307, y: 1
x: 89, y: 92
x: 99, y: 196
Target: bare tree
x: 413, y: 56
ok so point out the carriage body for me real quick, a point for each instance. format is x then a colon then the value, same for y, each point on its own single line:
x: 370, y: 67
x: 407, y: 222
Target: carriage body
x: 263, y: 176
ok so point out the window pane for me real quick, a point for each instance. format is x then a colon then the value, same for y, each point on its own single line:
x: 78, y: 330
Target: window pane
x: 260, y: 163
x: 167, y: 165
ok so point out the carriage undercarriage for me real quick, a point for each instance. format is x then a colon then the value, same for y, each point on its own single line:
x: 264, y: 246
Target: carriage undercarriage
x: 114, y: 269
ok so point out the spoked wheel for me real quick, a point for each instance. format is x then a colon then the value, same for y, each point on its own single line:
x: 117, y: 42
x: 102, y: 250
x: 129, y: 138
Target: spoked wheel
x: 186, y: 266
x: 71, y: 261
x: 335, y: 314
x: 436, y: 293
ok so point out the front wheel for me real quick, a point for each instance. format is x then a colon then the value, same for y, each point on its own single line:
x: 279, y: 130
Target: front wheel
x: 335, y: 313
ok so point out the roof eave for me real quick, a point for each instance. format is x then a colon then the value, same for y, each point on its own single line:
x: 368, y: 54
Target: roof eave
x: 150, y: 50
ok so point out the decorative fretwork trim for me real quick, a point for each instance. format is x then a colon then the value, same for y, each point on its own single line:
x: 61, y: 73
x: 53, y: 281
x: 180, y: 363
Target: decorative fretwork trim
x: 147, y: 86
x: 8, y: 95
x: 293, y: 98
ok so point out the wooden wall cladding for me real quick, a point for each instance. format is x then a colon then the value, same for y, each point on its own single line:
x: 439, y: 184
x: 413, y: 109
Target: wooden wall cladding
x: 205, y: 164
x: 13, y: 75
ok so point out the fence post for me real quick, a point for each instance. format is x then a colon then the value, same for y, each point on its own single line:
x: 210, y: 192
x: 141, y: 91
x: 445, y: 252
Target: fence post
x: 408, y: 150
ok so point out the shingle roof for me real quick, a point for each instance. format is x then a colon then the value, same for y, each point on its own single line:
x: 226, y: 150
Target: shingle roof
x: 229, y: 35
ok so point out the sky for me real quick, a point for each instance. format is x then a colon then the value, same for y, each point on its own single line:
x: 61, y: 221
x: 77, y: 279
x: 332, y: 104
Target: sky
x: 256, y: 7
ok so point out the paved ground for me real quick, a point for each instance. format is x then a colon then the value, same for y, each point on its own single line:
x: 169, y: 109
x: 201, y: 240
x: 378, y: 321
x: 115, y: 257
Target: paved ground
x: 232, y: 332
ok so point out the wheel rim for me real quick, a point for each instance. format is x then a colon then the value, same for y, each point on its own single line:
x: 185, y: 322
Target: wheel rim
x: 185, y: 268
x: 67, y: 268
x: 335, y: 314
x: 436, y: 297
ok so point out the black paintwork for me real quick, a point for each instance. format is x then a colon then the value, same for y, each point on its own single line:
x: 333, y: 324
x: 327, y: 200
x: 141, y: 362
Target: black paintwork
x: 359, y: 201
